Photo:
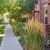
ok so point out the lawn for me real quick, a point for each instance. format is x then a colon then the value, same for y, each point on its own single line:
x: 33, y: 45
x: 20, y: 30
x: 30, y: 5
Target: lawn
x: 2, y: 27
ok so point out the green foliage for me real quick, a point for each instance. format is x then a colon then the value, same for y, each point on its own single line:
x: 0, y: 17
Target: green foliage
x: 28, y: 5
x: 32, y: 40
x: 2, y: 29
x: 18, y: 28
x: 0, y: 40
x: 17, y: 7
x: 22, y: 19
x: 6, y: 5
x: 1, y: 32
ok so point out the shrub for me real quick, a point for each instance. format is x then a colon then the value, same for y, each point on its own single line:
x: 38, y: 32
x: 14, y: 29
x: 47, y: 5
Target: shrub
x: 18, y: 28
x: 22, y: 19
x: 32, y: 39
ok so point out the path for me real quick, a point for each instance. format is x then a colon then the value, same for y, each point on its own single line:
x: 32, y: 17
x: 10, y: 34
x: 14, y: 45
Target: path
x: 10, y: 41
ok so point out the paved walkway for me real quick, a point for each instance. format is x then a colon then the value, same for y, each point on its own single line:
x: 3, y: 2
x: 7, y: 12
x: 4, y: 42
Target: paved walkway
x: 10, y: 41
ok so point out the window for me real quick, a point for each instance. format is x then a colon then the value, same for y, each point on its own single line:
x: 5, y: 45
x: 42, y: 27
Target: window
x: 46, y: 20
x: 45, y: 15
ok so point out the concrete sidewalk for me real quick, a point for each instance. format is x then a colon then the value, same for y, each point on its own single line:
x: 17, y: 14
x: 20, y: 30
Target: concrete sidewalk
x: 10, y: 41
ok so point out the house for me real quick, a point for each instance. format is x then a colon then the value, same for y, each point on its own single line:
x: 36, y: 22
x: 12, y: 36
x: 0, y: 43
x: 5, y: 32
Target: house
x: 42, y: 13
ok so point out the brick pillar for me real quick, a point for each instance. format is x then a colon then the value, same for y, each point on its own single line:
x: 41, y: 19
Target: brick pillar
x: 49, y: 12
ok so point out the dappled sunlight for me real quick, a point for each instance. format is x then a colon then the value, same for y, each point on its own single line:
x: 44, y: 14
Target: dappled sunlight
x: 1, y: 25
x: 6, y: 13
x: 1, y: 16
x: 1, y: 35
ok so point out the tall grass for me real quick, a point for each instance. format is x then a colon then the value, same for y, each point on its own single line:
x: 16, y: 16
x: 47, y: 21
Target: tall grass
x: 32, y: 39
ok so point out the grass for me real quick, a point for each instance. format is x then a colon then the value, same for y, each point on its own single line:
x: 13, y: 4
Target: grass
x: 32, y: 39
x: 2, y: 27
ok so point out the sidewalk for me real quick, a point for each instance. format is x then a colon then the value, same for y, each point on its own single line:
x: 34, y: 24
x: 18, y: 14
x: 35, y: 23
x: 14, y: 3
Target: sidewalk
x: 10, y: 41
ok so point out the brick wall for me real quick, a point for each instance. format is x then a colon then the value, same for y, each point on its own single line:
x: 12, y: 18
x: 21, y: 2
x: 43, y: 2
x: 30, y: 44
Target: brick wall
x: 44, y: 30
x: 48, y: 1
x: 49, y: 14
x: 48, y: 30
x: 42, y: 13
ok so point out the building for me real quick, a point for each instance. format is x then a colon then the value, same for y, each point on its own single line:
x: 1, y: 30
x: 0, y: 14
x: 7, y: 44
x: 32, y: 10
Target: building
x: 42, y: 13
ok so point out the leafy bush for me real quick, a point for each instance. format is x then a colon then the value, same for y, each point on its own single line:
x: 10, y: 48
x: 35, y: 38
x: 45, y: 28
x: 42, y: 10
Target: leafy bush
x: 22, y: 19
x: 18, y: 28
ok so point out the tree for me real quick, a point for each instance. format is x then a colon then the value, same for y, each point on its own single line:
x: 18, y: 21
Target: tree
x: 1, y: 8
x: 24, y: 7
x: 17, y: 7
x: 28, y: 5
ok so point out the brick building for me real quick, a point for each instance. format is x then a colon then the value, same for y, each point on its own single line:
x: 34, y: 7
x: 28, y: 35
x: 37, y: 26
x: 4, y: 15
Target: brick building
x: 42, y: 13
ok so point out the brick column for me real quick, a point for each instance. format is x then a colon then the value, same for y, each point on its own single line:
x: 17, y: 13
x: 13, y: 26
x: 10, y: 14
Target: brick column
x: 49, y: 12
